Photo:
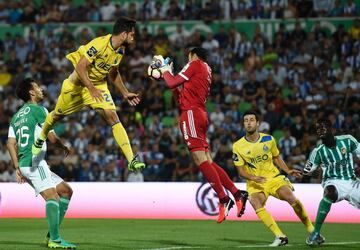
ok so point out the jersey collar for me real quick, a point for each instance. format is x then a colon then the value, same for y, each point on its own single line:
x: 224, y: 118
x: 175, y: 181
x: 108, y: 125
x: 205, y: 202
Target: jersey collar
x: 120, y: 50
x: 253, y: 141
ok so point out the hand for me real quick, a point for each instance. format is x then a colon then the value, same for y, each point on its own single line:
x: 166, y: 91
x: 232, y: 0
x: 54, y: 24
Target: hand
x: 167, y: 68
x: 295, y: 173
x: 158, y: 61
x: 132, y: 98
x: 259, y: 179
x: 19, y: 177
x: 96, y: 94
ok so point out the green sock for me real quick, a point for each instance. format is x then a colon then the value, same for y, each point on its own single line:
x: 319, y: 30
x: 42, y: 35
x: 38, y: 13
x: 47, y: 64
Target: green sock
x: 52, y: 216
x: 63, y: 206
x: 324, y: 208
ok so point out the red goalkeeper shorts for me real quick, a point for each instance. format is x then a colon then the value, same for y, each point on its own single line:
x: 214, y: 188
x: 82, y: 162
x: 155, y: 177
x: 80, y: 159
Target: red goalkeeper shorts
x: 194, y: 124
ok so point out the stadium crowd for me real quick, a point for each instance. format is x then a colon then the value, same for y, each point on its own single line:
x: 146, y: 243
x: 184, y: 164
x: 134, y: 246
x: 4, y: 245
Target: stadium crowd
x: 42, y: 12
x: 291, y: 78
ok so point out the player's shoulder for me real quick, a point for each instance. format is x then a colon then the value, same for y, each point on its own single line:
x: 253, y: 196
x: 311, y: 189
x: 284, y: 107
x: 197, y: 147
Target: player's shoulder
x: 100, y: 41
x: 239, y: 142
x: 346, y: 137
x: 315, y: 150
x: 265, y: 138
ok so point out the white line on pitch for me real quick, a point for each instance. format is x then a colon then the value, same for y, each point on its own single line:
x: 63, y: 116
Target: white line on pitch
x: 326, y: 244
x: 172, y: 248
x: 252, y: 246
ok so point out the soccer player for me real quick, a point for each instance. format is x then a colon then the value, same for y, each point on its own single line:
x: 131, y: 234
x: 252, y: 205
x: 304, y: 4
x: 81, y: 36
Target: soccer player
x: 192, y: 86
x: 335, y: 156
x: 256, y: 156
x: 24, y: 126
x: 86, y: 86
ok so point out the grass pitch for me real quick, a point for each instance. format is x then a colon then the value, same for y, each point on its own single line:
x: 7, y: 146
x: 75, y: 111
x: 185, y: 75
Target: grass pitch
x: 169, y: 234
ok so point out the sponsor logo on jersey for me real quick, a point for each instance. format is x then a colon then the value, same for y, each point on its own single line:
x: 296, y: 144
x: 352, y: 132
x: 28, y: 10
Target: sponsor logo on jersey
x: 259, y: 158
x: 104, y: 66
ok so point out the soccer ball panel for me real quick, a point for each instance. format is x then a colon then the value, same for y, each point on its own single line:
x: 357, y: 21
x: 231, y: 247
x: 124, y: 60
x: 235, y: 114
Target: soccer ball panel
x: 154, y: 72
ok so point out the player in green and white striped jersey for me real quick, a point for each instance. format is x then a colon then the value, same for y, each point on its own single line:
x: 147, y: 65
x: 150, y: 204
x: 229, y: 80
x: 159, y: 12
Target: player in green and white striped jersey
x: 335, y: 156
x: 25, y: 125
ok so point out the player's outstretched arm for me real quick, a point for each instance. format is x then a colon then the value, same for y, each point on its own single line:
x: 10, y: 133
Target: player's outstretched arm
x: 11, y: 145
x: 81, y: 70
x: 132, y: 98
x: 281, y: 164
x: 53, y: 138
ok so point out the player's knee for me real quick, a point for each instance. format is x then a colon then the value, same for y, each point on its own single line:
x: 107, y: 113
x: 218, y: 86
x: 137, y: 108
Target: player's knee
x: 50, y: 194
x: 68, y: 192
x: 330, y: 193
x: 111, y: 117
x: 256, y: 204
x: 289, y: 198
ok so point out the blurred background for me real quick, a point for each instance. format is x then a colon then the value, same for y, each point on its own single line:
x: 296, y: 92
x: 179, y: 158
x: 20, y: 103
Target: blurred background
x: 294, y: 61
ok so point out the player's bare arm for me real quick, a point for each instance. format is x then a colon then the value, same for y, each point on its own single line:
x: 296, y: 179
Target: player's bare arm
x: 245, y: 175
x: 281, y: 164
x: 81, y: 70
x: 11, y: 145
x: 53, y: 138
x: 132, y: 98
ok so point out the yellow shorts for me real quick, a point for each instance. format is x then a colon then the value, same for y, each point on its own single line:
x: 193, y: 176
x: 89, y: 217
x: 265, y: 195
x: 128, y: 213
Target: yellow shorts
x: 270, y: 186
x: 74, y: 97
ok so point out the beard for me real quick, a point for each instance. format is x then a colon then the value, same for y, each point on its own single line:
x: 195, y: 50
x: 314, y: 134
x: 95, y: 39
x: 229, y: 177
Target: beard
x: 126, y: 44
x: 251, y: 131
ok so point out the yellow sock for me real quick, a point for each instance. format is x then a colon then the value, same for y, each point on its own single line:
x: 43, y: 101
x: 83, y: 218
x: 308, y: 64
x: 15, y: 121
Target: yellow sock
x: 122, y: 140
x: 302, y: 214
x: 48, y: 125
x: 268, y: 220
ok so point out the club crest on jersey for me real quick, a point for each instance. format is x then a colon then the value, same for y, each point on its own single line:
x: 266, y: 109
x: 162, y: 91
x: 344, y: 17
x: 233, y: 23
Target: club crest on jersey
x: 266, y: 148
x: 343, y: 150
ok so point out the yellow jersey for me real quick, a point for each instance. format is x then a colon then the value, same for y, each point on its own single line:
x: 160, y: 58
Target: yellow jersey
x: 102, y: 56
x: 257, y: 157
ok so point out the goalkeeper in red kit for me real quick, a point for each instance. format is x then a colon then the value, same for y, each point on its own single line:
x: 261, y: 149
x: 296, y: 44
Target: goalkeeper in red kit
x: 191, y: 88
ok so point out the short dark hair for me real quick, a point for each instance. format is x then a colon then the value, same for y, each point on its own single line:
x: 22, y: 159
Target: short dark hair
x: 123, y: 24
x: 23, y: 88
x: 200, y: 52
x: 325, y: 121
x: 251, y: 112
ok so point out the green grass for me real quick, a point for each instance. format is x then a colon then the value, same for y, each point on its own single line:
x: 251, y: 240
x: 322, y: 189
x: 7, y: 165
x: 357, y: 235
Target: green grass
x: 169, y: 234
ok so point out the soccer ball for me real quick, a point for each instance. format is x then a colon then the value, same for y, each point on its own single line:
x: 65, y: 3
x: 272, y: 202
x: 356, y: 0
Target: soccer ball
x: 154, y: 72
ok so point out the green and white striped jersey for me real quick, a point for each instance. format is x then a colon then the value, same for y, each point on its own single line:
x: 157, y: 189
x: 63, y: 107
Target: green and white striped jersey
x: 25, y: 126
x: 336, y: 162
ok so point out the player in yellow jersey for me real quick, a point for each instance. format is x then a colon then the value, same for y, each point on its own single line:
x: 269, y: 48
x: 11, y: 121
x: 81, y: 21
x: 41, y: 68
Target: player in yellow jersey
x: 254, y: 156
x: 87, y: 86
